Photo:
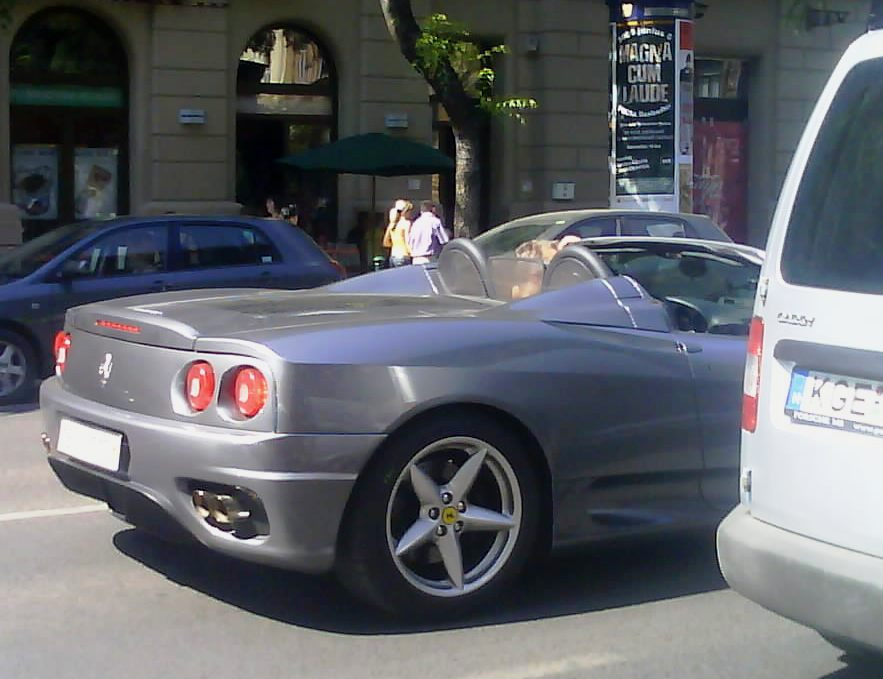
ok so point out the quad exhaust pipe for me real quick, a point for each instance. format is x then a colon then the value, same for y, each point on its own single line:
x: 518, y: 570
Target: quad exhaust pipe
x: 220, y: 510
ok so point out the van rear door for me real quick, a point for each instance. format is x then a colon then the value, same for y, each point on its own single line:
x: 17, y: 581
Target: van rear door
x: 816, y: 456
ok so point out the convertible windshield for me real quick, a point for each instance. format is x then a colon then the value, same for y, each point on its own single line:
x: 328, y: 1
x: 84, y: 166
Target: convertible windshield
x: 706, y: 290
x: 27, y: 258
x: 693, y: 275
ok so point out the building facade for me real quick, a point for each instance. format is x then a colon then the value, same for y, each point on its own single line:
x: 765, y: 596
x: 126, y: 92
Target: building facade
x: 119, y: 106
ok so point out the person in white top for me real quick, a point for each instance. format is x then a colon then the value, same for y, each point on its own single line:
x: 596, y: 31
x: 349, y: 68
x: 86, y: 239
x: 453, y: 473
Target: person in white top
x: 427, y: 235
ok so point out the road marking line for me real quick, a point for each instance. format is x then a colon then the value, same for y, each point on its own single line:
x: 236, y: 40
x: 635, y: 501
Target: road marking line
x: 550, y: 669
x: 46, y: 513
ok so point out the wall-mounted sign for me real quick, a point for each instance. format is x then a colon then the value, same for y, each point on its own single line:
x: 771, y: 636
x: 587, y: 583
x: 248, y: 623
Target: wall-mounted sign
x: 66, y: 95
x: 563, y: 190
x: 35, y: 180
x: 396, y: 121
x: 191, y: 116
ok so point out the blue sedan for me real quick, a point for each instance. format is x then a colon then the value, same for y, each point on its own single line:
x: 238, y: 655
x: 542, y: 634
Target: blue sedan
x: 92, y: 261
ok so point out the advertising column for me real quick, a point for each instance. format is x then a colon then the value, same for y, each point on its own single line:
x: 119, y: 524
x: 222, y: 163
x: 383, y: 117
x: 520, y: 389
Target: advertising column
x: 651, y: 113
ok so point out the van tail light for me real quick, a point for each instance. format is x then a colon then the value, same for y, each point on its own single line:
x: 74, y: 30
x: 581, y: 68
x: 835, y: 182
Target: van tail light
x: 751, y: 388
x: 200, y: 385
x: 250, y: 391
x: 61, y: 350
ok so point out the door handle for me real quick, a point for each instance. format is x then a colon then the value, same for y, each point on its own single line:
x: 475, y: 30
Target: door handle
x: 685, y: 348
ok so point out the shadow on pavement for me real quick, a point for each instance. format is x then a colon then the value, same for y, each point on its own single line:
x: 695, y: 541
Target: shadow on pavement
x: 604, y: 577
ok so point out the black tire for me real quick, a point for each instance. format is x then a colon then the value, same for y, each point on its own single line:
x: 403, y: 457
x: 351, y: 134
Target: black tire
x: 365, y: 564
x: 24, y: 352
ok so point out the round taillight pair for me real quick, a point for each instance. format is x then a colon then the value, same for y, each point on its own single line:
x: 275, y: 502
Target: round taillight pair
x: 61, y: 349
x: 250, y: 390
x: 200, y: 385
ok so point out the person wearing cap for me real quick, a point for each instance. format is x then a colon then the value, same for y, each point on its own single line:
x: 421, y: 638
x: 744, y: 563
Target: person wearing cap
x: 397, y: 231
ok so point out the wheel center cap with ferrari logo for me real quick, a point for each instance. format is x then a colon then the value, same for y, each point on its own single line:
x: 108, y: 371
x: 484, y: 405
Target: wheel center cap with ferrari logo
x: 450, y: 515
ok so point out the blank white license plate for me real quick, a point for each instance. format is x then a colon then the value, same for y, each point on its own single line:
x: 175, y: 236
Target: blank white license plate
x: 836, y: 402
x: 89, y: 444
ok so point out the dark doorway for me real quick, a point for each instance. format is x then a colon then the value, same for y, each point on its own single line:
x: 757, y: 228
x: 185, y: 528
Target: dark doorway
x: 68, y: 120
x: 287, y: 103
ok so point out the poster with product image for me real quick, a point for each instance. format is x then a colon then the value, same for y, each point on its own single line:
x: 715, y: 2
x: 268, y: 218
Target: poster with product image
x: 95, y: 182
x: 35, y: 180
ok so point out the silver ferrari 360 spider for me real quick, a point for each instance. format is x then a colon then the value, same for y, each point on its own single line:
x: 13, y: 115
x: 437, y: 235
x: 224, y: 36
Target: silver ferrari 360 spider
x: 423, y: 431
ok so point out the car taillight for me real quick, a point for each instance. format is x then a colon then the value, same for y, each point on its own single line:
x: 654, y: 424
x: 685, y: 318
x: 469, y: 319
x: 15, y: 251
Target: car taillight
x: 751, y: 388
x: 200, y: 385
x: 62, y: 350
x: 250, y: 391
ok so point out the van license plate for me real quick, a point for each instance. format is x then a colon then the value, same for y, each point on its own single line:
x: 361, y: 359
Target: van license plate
x: 94, y: 446
x: 836, y: 402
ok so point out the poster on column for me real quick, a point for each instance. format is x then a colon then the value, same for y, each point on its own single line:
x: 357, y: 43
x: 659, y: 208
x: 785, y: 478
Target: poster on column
x: 35, y: 180
x: 95, y: 182
x: 644, y: 81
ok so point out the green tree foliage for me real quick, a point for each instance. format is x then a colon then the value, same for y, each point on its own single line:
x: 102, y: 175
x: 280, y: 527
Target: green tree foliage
x: 444, y: 40
x: 461, y: 73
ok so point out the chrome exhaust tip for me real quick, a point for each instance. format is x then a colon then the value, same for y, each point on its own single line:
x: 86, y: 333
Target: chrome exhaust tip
x: 221, y: 511
x: 46, y: 440
x: 200, y: 503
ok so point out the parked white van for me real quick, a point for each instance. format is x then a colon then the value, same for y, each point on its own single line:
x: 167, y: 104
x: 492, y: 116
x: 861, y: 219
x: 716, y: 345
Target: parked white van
x: 806, y: 541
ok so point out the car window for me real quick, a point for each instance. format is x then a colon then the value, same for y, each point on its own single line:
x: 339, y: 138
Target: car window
x: 591, y: 228
x: 662, y: 227
x: 504, y: 239
x: 219, y: 245
x: 835, y: 236
x: 136, y: 250
x: 27, y: 258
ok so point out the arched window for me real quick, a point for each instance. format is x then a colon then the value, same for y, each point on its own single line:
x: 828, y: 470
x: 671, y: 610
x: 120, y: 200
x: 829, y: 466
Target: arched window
x: 286, y: 103
x: 68, y: 119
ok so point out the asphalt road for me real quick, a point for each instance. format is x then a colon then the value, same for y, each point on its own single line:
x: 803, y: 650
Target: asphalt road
x: 84, y: 596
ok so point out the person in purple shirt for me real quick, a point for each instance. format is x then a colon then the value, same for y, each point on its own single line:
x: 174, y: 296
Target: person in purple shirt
x: 427, y: 235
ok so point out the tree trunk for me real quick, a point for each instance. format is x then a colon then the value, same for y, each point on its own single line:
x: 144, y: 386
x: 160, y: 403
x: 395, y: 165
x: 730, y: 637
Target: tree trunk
x: 468, y: 181
x: 463, y: 110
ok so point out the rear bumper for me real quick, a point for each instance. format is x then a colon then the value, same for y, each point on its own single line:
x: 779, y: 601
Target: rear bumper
x: 836, y: 591
x: 303, y: 482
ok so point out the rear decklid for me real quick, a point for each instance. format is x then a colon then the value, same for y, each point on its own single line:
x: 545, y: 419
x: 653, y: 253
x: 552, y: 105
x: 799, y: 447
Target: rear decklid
x: 816, y: 457
x: 187, y: 320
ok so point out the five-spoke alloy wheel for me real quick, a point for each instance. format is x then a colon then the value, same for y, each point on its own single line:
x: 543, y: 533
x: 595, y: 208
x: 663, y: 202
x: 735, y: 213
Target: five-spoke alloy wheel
x: 445, y: 516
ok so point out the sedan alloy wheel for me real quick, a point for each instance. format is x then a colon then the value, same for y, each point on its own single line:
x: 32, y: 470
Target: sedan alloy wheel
x: 15, y: 368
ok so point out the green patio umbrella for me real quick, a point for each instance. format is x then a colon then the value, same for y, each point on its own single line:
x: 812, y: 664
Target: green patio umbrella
x: 374, y: 154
